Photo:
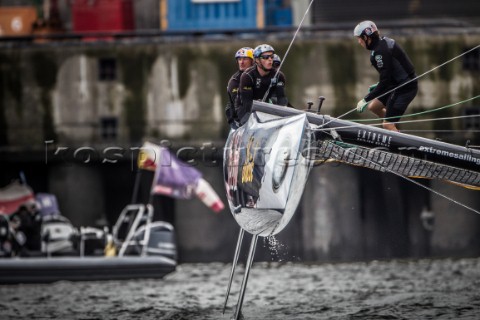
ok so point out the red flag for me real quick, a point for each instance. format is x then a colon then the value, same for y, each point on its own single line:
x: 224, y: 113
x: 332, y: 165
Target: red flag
x: 13, y: 196
x: 208, y: 196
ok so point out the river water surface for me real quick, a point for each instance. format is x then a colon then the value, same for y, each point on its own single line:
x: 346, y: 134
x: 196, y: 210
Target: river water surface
x: 398, y: 289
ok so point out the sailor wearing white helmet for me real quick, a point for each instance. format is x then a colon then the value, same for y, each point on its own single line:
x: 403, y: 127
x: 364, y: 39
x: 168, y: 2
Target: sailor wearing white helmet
x: 257, y: 80
x: 395, y: 70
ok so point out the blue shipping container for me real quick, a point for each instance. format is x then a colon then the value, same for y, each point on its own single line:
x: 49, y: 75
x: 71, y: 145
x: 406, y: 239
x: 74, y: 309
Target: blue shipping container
x: 211, y: 14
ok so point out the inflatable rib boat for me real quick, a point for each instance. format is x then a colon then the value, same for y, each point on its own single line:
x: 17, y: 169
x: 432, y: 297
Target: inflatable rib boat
x: 45, y: 270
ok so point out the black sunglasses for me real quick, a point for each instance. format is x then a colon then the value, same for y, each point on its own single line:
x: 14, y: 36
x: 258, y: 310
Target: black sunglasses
x: 267, y: 56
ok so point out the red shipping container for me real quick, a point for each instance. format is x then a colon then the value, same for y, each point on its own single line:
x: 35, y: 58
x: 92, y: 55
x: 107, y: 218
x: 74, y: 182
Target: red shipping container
x: 102, y: 15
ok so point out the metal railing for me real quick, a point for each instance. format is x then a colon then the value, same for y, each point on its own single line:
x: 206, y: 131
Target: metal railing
x: 450, y: 26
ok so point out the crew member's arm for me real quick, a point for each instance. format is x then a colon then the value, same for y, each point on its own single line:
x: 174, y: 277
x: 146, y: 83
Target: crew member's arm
x: 244, y: 102
x: 383, y: 62
x: 230, y: 108
x: 280, y: 90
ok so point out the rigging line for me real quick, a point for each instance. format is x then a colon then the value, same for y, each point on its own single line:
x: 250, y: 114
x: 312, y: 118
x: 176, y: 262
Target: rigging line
x: 439, y: 130
x: 418, y: 113
x: 399, y: 122
x: 421, y: 185
x: 436, y: 119
x: 417, y: 77
x: 427, y: 72
x: 288, y: 49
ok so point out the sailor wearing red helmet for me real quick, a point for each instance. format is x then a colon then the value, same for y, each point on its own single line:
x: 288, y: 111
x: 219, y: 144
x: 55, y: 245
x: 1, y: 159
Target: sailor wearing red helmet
x: 244, y: 58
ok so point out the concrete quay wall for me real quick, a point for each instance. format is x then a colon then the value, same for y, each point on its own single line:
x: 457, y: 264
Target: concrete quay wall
x: 112, y: 94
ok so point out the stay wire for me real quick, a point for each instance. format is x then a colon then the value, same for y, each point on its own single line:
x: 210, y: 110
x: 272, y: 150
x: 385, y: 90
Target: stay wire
x: 388, y: 92
x: 419, y: 113
x: 417, y: 77
x: 288, y: 50
x: 358, y: 125
x: 427, y: 72
x: 421, y: 185
x: 410, y: 115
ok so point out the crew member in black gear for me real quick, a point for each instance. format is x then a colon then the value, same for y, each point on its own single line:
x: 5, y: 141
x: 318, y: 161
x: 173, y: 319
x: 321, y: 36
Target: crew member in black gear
x: 244, y: 58
x: 27, y: 219
x: 396, y: 71
x: 277, y: 61
x: 256, y: 81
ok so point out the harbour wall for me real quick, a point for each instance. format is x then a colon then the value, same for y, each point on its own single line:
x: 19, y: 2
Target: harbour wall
x: 64, y: 106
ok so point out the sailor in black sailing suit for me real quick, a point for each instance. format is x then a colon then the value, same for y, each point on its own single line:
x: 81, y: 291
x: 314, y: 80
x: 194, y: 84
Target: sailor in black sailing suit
x: 395, y: 69
x: 277, y: 61
x: 257, y: 80
x: 244, y: 58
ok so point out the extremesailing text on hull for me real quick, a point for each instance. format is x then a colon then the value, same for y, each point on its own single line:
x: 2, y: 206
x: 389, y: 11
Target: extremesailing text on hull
x: 384, y: 150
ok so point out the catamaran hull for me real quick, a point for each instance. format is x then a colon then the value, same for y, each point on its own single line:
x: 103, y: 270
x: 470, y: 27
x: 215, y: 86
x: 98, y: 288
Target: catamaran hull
x: 265, y: 171
x: 372, y: 137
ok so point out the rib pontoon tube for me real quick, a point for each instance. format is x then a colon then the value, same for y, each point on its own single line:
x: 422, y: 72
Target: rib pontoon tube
x: 45, y: 270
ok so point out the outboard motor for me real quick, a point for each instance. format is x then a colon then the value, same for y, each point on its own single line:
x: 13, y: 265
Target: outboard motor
x: 58, y: 236
x: 161, y: 241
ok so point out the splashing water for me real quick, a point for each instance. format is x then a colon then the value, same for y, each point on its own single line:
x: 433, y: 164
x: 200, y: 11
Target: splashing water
x: 278, y: 250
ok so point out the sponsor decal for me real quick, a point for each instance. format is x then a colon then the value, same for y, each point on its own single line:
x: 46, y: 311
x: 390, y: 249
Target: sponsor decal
x: 258, y: 83
x: 375, y: 138
x: 453, y: 155
x: 233, y: 161
x: 249, y: 164
x: 378, y: 59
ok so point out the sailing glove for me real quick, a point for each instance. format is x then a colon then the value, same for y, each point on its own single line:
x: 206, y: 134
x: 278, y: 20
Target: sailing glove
x: 372, y: 87
x: 361, y: 105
